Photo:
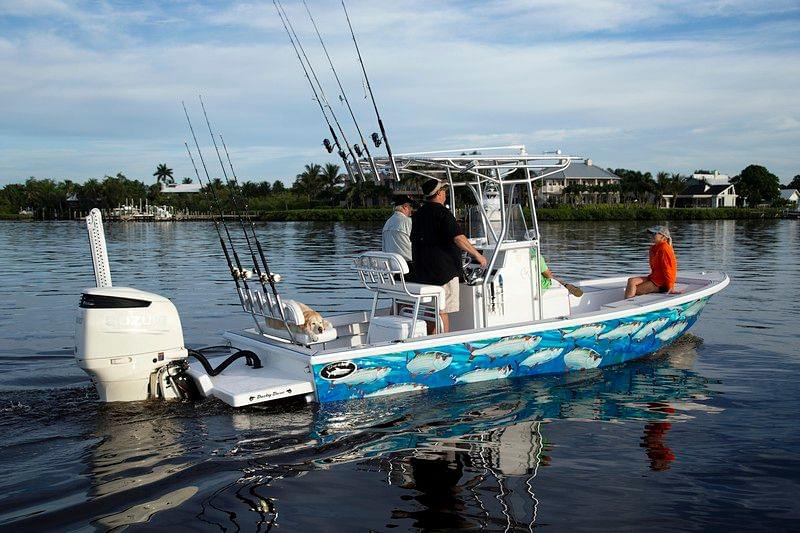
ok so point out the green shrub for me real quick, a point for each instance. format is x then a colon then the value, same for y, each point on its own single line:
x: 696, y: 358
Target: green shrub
x: 621, y: 212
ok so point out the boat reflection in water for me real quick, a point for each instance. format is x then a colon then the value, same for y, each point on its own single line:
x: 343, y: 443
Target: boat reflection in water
x: 471, y: 455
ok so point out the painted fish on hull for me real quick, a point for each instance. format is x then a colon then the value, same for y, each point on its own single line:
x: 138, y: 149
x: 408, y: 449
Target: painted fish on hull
x: 508, y: 346
x: 397, y: 388
x: 362, y: 376
x: 650, y: 327
x: 589, y: 330
x: 484, y: 374
x: 541, y: 356
x: 428, y: 363
x: 672, y: 331
x: 582, y: 358
x: 623, y: 330
x: 694, y: 308
x: 450, y: 363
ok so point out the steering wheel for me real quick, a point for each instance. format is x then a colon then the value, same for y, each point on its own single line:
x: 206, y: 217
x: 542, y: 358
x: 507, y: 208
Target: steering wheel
x: 472, y: 271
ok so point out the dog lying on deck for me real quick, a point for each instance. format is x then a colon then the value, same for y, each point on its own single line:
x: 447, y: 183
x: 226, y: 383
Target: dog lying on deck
x: 313, y: 323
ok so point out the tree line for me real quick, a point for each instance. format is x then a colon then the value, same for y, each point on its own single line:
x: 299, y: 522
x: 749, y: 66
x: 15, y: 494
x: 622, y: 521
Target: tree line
x: 325, y: 186
x: 754, y: 185
x: 315, y: 186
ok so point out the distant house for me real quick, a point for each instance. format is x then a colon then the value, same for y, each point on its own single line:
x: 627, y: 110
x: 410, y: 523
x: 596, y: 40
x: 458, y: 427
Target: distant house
x: 712, y: 178
x: 793, y: 197
x: 407, y: 187
x: 175, y: 188
x: 551, y: 188
x: 703, y: 194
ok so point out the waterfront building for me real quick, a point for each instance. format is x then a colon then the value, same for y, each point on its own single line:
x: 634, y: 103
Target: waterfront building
x: 175, y: 188
x: 594, y: 184
x: 793, y: 197
x: 703, y: 194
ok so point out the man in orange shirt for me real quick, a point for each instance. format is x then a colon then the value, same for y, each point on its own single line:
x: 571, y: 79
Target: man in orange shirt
x: 663, y: 266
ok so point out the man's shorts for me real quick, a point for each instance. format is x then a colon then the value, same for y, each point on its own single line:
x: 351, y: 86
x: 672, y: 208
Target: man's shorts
x: 451, y: 300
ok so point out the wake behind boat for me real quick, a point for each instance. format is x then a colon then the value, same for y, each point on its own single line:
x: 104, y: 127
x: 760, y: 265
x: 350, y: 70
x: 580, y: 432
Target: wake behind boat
x: 131, y: 342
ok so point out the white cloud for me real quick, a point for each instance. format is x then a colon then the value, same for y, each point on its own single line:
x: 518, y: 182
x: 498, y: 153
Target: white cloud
x: 595, y: 78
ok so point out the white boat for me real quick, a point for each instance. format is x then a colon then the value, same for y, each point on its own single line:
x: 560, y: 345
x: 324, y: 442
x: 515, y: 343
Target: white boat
x: 131, y: 342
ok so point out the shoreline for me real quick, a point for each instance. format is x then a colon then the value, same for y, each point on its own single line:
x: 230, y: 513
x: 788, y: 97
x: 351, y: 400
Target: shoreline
x: 564, y: 213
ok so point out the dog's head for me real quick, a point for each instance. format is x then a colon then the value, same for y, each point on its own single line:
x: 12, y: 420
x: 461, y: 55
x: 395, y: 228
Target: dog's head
x: 315, y: 325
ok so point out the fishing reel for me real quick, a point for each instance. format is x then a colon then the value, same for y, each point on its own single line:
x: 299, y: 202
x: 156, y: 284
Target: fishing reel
x: 327, y: 144
x: 270, y: 278
x: 358, y: 150
x: 242, y: 273
x: 376, y: 139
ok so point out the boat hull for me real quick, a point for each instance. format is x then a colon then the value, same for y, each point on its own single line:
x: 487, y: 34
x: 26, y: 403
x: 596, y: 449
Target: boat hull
x: 551, y: 351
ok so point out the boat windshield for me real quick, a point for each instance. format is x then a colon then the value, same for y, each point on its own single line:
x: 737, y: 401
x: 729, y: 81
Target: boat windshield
x: 487, y: 230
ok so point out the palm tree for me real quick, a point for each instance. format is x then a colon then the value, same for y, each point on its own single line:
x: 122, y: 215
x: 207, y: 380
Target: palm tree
x: 186, y: 181
x: 163, y: 174
x: 663, y: 185
x: 329, y: 179
x: 308, y: 181
x: 677, y: 184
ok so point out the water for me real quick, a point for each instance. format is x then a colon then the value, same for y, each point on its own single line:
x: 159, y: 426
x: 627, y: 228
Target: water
x: 701, y: 436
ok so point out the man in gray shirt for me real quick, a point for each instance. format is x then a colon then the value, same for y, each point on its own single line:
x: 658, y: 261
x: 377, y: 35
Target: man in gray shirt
x: 396, y: 234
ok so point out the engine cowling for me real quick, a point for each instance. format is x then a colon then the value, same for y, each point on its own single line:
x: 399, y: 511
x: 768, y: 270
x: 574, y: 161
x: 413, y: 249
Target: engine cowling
x: 122, y: 337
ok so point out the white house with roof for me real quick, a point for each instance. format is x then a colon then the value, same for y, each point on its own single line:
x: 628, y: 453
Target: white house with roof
x: 710, y: 189
x: 551, y: 188
x: 793, y: 197
x: 703, y: 195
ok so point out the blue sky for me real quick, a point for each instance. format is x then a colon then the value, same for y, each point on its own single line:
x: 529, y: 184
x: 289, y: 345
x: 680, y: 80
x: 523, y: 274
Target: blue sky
x: 94, y: 88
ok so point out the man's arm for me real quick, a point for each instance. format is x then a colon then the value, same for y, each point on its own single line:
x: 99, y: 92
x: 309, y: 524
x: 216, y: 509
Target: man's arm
x: 463, y: 243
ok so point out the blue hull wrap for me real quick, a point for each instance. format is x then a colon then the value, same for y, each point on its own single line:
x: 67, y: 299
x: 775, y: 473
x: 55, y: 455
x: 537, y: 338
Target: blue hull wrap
x: 555, y: 351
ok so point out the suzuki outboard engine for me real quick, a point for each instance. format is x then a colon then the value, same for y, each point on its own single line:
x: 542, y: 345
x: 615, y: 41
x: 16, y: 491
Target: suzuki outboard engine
x: 123, y: 338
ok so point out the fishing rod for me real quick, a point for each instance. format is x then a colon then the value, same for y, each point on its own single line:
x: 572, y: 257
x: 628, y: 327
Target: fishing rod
x: 238, y: 273
x: 265, y: 277
x: 343, y: 96
x: 270, y: 277
x: 375, y: 138
x: 318, y: 96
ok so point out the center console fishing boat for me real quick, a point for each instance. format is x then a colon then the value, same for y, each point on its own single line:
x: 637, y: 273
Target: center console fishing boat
x: 131, y: 342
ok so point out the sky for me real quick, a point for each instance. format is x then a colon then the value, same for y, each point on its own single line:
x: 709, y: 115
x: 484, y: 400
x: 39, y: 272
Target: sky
x: 95, y: 88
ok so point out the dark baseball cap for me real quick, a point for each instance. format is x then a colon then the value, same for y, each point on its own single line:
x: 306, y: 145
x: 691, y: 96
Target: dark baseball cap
x: 432, y: 186
x: 402, y: 199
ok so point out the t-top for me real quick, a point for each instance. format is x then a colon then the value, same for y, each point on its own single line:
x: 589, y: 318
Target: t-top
x: 663, y: 265
x: 396, y: 235
x: 437, y: 258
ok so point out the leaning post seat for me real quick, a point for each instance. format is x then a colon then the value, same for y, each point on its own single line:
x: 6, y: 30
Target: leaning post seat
x: 384, y: 273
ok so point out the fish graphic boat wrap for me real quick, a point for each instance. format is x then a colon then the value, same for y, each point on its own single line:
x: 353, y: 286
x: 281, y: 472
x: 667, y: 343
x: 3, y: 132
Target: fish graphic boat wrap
x: 576, y: 349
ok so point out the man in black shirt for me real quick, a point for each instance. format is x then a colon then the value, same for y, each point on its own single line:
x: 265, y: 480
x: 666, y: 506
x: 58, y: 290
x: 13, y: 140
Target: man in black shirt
x: 436, y: 244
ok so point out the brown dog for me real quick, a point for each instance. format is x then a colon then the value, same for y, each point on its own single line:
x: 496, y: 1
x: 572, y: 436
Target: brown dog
x: 313, y: 323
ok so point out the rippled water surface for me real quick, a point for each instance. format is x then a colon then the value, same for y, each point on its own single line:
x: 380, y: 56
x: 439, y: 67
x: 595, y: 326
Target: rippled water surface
x: 701, y: 436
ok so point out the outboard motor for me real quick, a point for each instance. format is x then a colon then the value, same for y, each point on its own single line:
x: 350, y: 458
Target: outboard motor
x: 125, y: 338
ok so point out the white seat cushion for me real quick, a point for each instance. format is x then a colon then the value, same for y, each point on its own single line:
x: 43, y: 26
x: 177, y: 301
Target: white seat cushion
x: 426, y: 290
